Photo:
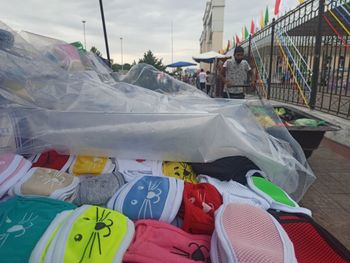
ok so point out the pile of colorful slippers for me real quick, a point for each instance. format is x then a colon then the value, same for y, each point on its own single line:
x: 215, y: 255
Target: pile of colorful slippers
x: 59, y: 208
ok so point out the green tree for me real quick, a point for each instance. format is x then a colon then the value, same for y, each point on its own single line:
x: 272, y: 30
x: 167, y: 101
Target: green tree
x: 116, y: 67
x: 126, y: 66
x: 178, y: 71
x: 150, y: 59
x: 96, y: 51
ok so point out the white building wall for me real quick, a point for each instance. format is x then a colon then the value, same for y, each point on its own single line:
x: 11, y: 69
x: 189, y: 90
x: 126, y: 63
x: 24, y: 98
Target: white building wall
x: 213, y: 28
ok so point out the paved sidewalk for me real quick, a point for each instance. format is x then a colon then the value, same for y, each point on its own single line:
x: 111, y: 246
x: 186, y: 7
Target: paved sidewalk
x: 329, y: 197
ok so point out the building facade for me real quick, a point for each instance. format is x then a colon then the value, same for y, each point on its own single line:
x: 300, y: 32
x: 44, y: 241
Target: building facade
x: 213, y: 27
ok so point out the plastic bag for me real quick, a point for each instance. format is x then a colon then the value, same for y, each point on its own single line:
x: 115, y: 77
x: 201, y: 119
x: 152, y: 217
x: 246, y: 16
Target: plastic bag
x: 148, y: 77
x: 308, y: 122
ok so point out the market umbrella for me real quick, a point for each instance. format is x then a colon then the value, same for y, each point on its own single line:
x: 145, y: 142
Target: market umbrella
x: 230, y: 52
x: 208, y: 57
x: 181, y: 64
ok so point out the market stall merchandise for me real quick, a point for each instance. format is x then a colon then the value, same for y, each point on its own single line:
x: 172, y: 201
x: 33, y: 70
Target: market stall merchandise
x: 12, y: 168
x: 22, y: 223
x: 46, y: 182
x: 155, y: 165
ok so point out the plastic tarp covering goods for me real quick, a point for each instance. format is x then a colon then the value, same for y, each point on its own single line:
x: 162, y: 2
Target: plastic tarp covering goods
x: 53, y: 95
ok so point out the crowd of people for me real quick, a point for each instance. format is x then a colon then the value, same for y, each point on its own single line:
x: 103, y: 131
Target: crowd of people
x: 230, y: 78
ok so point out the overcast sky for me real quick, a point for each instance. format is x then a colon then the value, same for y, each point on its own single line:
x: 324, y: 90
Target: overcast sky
x: 143, y: 24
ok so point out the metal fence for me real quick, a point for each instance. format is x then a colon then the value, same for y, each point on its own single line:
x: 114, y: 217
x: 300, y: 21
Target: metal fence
x: 303, y: 57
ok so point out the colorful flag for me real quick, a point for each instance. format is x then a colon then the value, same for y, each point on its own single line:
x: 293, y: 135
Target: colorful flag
x: 252, y: 27
x: 233, y: 42
x: 228, y: 45
x: 283, y: 7
x: 266, y: 21
x: 262, y: 20
x: 246, y: 33
x: 301, y: 1
x: 238, y: 41
x: 257, y: 25
x: 277, y: 7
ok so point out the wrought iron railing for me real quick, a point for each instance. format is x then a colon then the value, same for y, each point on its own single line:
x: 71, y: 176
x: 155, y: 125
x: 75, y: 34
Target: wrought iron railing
x: 303, y: 57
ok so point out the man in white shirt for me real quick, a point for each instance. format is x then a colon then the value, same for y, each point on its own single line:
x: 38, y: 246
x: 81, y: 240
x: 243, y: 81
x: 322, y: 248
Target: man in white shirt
x: 236, y: 75
x: 202, y: 79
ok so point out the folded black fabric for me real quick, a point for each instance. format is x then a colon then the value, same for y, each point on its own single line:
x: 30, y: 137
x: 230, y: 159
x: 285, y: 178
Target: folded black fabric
x: 226, y: 169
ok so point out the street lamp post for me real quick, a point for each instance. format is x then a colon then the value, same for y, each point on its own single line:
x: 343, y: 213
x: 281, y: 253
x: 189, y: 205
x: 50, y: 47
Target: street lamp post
x: 105, y: 33
x: 121, y: 52
x: 172, y: 43
x: 84, y: 21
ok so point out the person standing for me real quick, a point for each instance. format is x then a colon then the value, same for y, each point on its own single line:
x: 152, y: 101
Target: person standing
x: 202, y: 80
x: 237, y: 71
x: 210, y: 83
x: 219, y: 78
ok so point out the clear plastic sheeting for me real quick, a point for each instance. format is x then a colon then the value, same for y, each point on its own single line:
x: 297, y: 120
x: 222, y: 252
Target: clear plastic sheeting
x: 148, y: 77
x: 66, y: 55
x: 146, y: 115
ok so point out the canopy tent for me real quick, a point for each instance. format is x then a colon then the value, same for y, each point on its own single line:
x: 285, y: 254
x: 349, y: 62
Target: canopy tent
x: 181, y: 64
x: 230, y: 52
x: 208, y: 57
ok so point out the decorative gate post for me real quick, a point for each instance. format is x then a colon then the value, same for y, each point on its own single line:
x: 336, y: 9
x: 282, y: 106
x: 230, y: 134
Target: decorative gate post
x: 316, y: 64
x: 271, y: 57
